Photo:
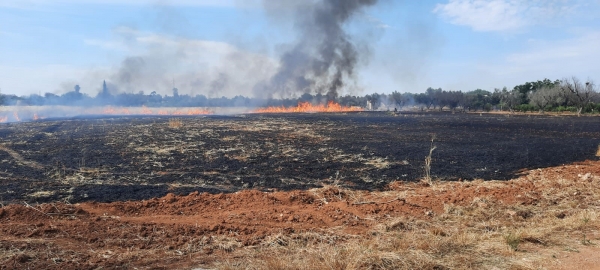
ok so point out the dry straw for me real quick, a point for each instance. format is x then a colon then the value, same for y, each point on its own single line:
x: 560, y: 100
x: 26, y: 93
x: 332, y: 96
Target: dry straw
x: 175, y: 123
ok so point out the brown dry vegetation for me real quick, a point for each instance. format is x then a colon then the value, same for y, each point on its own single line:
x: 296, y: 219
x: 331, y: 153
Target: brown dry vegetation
x: 175, y: 123
x: 541, y: 220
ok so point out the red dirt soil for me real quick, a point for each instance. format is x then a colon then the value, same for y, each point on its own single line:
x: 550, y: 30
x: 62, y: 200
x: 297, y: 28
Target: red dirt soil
x: 183, y: 231
x: 588, y: 259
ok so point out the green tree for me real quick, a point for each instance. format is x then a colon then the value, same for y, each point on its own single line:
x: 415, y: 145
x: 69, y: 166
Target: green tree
x: 399, y: 99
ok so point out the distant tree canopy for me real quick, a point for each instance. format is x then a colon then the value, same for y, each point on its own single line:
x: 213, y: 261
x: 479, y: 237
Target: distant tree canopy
x: 569, y: 94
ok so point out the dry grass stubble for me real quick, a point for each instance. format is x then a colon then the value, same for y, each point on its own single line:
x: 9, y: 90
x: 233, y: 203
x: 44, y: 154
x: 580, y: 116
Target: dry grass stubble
x: 484, y: 234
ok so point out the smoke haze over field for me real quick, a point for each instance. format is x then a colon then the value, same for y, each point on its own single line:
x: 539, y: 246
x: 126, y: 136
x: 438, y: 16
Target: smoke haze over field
x: 156, y: 62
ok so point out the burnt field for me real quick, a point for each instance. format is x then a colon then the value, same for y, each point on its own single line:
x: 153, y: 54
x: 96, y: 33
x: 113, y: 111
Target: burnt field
x: 134, y: 158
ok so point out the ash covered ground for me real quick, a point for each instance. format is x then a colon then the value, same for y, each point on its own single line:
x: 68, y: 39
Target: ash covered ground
x: 134, y: 158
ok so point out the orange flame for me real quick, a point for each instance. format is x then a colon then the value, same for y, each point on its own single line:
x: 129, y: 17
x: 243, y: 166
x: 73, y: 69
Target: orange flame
x: 145, y: 110
x: 307, y: 107
x: 3, y: 119
x: 17, y: 117
x: 35, y: 117
x: 109, y: 110
x: 199, y: 111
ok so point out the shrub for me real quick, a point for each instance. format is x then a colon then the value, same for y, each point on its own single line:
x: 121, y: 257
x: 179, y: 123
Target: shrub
x: 513, y: 240
x: 525, y: 108
x: 487, y: 107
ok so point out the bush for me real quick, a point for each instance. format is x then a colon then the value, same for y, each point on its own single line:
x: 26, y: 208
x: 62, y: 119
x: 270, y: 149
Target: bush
x: 525, y: 108
x: 592, y: 108
x: 487, y: 107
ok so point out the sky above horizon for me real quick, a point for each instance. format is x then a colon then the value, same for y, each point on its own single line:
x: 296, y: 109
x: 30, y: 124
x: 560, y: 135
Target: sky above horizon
x: 224, y: 48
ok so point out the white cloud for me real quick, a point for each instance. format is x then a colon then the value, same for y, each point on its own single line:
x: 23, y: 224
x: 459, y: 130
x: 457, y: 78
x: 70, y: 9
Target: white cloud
x: 375, y: 21
x: 495, y: 15
x: 577, y: 56
x: 504, y: 15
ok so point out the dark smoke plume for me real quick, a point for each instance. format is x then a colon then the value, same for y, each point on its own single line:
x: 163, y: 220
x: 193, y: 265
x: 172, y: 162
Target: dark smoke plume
x: 324, y: 56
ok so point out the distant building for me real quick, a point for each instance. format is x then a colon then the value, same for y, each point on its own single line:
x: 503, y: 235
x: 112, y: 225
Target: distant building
x: 104, y: 93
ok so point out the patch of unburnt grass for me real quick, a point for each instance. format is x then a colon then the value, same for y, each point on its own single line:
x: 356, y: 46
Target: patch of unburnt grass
x: 175, y: 123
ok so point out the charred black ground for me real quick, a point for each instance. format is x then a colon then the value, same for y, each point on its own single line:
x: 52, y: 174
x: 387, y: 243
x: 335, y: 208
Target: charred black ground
x: 131, y: 158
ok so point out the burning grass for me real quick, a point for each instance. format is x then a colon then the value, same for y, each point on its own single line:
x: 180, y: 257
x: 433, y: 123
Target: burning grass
x: 307, y: 107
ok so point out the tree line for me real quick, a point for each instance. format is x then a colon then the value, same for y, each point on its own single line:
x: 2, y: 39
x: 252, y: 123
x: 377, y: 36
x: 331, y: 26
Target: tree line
x: 569, y: 94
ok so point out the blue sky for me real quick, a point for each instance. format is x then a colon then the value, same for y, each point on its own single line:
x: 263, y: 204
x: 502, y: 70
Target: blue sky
x: 49, y: 46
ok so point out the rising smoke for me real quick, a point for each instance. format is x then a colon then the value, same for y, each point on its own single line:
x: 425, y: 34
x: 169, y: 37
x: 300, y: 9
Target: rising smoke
x: 324, y: 57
